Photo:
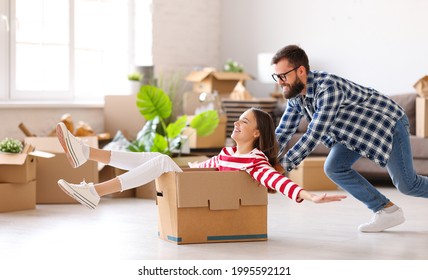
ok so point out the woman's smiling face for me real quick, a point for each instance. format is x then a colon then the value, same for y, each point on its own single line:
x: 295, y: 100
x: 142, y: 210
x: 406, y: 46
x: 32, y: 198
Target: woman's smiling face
x: 245, y: 129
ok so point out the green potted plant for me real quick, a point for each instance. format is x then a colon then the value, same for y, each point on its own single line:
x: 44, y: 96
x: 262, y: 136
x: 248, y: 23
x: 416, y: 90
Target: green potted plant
x: 233, y: 66
x: 10, y: 145
x: 135, y: 76
x: 160, y: 135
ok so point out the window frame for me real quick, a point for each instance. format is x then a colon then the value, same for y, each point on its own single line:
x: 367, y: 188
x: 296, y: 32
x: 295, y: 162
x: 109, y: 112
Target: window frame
x: 8, y: 92
x: 4, y: 49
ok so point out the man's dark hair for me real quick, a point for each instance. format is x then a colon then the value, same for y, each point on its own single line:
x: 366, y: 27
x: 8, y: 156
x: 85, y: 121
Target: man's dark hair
x: 295, y: 56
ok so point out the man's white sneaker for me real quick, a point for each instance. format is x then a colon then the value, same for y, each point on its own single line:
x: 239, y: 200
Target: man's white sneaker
x: 383, y: 220
x: 74, y: 149
x: 84, y: 192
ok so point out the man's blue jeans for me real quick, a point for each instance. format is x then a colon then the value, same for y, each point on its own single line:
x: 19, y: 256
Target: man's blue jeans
x: 400, y: 168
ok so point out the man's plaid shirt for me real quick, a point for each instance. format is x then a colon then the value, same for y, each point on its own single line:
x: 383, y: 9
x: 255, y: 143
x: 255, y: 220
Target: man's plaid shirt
x: 338, y: 111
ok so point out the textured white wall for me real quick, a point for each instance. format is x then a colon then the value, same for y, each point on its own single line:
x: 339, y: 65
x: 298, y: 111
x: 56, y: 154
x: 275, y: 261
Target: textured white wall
x: 186, y: 33
x: 378, y: 43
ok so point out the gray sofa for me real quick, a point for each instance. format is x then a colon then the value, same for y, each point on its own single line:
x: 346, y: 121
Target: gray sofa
x: 366, y: 167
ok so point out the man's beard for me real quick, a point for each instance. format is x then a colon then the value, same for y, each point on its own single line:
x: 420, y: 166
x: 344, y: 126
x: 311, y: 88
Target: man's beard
x: 295, y: 89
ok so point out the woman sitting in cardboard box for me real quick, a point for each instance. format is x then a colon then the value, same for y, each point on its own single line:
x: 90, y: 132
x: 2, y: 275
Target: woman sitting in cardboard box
x: 255, y: 152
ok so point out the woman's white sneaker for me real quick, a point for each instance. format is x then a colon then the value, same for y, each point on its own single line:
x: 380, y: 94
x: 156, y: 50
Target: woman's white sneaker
x: 84, y: 192
x: 383, y: 220
x: 76, y: 152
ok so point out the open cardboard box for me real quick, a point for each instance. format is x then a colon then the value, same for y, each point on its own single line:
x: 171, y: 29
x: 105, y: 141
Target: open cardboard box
x: 147, y: 190
x: 50, y: 170
x: 216, y: 139
x: 18, y: 168
x: 209, y: 80
x: 205, y: 206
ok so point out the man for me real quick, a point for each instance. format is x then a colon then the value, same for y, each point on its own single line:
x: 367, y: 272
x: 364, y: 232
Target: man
x: 353, y: 121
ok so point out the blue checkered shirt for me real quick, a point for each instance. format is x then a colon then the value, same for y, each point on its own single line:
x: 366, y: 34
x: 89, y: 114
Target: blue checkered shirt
x: 338, y: 111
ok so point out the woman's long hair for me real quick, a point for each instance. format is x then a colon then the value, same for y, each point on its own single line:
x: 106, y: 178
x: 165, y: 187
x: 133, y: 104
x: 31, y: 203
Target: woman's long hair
x: 266, y: 142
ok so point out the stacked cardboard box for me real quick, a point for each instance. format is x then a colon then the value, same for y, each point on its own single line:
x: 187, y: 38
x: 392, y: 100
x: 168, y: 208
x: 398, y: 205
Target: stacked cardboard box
x: 205, y: 206
x: 17, y: 181
x: 310, y: 175
x: 209, y: 80
x: 421, y: 87
x: 422, y: 117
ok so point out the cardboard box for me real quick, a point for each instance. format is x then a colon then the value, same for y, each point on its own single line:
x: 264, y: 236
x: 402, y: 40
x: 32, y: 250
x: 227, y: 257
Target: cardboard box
x: 20, y: 167
x: 50, y: 170
x: 206, y: 206
x: 121, y: 113
x: 16, y: 197
x: 17, y: 168
x: 147, y: 190
x: 215, y: 140
x: 421, y: 86
x: 144, y: 191
x: 109, y: 172
x: 183, y: 161
x: 194, y: 103
x: 422, y: 117
x: 209, y: 80
x: 310, y: 175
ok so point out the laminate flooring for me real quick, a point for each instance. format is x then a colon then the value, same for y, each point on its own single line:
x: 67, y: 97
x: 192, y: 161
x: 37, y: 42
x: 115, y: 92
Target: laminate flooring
x: 126, y: 229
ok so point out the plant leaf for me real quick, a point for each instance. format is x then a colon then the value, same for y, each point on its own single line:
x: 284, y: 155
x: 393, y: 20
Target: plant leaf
x: 160, y: 145
x: 175, y: 143
x: 174, y: 129
x: 153, y: 101
x: 145, y: 137
x: 205, y: 123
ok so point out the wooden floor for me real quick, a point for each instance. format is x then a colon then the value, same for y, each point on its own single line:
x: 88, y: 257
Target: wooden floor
x: 126, y: 229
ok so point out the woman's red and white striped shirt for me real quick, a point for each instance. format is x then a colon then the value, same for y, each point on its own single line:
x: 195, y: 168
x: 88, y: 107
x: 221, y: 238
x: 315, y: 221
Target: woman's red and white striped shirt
x: 257, y: 165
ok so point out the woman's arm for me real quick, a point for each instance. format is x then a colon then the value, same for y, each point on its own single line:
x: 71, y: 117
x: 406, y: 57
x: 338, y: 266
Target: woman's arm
x: 264, y: 173
x: 209, y: 163
x: 303, y: 194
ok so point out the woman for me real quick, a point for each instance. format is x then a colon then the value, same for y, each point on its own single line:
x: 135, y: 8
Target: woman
x: 255, y: 152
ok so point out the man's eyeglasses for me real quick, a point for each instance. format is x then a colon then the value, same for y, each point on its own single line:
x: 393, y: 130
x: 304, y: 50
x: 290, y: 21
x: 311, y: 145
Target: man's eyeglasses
x: 283, y: 76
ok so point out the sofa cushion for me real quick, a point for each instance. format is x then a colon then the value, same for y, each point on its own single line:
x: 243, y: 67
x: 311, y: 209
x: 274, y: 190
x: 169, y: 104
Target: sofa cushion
x: 408, y: 103
x: 419, y: 147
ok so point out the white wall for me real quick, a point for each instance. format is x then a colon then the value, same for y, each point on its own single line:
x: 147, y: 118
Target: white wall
x: 378, y: 43
x: 185, y: 34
